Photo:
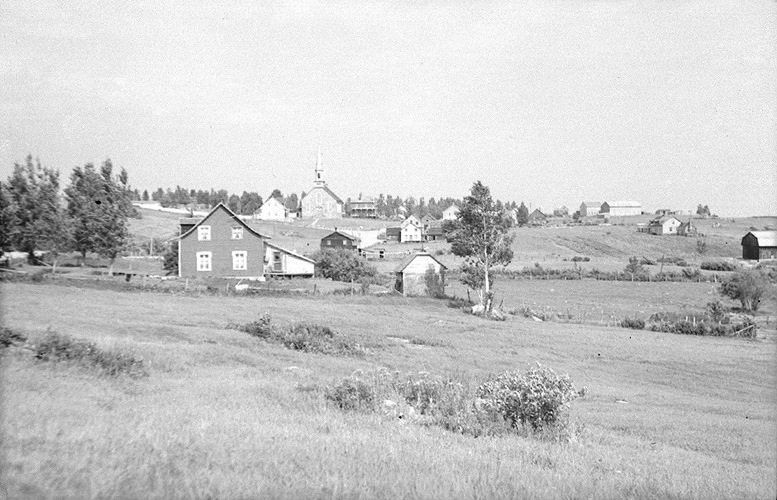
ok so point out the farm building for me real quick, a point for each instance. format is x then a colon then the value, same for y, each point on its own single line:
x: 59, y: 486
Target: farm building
x: 220, y: 245
x: 426, y: 221
x: 434, y: 232
x: 393, y: 233
x: 537, y: 218
x: 338, y: 240
x: 450, y: 213
x: 759, y: 245
x: 590, y: 208
x: 282, y: 262
x: 621, y: 208
x: 363, y: 208
x: 411, y: 273
x: 687, y: 229
x: 664, y: 225
x: 321, y: 201
x: 411, y: 230
x: 272, y: 209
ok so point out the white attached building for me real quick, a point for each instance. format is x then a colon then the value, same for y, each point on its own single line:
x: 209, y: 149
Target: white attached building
x: 282, y: 262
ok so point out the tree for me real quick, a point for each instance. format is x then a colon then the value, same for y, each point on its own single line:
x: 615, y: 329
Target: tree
x: 522, y: 216
x: 145, y: 195
x: 634, y: 267
x: 701, y: 246
x: 98, y: 205
x: 276, y: 193
x: 483, y: 240
x: 342, y: 265
x: 34, y: 196
x: 292, y: 202
x: 703, y: 211
x: 170, y: 263
x: 8, y: 220
x: 747, y: 287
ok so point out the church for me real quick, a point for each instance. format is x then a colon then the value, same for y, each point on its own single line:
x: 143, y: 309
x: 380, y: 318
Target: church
x: 321, y: 201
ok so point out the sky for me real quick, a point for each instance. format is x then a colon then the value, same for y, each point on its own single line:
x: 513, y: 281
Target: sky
x: 670, y: 103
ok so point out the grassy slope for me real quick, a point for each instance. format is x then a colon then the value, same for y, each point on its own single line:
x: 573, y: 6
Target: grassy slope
x: 226, y: 415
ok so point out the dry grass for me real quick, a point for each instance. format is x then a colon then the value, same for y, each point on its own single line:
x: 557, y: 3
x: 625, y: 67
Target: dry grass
x: 223, y: 415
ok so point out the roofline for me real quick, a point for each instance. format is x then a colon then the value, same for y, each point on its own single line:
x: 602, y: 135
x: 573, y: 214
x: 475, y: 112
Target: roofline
x: 289, y: 252
x: 231, y: 214
x: 420, y: 254
x: 352, y: 238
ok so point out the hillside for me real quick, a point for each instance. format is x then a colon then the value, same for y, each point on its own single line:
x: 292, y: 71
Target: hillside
x: 223, y: 414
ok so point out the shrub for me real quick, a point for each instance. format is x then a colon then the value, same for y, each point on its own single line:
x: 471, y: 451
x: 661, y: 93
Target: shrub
x: 691, y: 273
x: 170, y: 263
x: 57, y: 347
x: 646, y: 262
x: 718, y: 266
x: 342, y: 265
x: 537, y: 398
x: 262, y: 328
x: 716, y: 310
x: 747, y: 287
x: 306, y: 337
x: 579, y: 258
x: 435, y: 283
x: 634, y: 268
x: 10, y: 337
x: 351, y: 394
x: 634, y: 323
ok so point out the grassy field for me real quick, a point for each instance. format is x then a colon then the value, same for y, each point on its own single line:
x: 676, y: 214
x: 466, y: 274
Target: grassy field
x: 223, y: 414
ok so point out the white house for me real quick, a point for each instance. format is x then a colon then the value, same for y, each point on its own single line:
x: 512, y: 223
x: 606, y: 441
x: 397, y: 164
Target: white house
x: 450, y: 213
x: 664, y: 225
x: 411, y: 230
x: 621, y: 208
x: 272, y: 209
x: 411, y: 273
x: 282, y: 262
x: 590, y: 208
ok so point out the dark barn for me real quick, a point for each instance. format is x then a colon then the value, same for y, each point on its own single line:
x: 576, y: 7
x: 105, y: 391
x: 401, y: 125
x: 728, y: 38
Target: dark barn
x: 337, y: 240
x: 759, y: 245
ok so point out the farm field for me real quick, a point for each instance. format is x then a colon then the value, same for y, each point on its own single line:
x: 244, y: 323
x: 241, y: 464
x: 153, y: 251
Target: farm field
x: 223, y: 414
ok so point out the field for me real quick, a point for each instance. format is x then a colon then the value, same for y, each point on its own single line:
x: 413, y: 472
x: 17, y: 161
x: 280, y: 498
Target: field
x: 222, y: 414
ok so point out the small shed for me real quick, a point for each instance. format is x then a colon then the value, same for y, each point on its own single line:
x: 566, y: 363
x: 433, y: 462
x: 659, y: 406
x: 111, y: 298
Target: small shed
x: 282, y: 262
x: 411, y: 273
x: 759, y: 245
x: 338, y: 240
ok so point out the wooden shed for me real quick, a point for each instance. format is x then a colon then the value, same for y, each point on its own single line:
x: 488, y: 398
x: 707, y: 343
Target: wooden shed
x: 759, y: 245
x: 411, y: 273
x: 338, y: 240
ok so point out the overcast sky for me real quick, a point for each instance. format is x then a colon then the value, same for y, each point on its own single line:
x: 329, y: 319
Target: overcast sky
x: 670, y: 103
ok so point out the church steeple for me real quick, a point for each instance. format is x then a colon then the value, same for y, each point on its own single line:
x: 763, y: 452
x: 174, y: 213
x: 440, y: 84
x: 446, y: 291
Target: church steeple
x: 319, y: 179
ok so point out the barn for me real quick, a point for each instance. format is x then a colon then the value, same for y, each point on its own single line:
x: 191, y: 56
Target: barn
x: 759, y: 245
x: 338, y: 240
x: 411, y: 273
x: 621, y: 208
x: 219, y: 245
x: 280, y: 262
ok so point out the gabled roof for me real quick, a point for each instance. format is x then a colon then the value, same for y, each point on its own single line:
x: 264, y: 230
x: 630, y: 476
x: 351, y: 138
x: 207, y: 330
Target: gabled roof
x: 452, y: 207
x: 325, y: 188
x: 284, y: 250
x: 428, y: 218
x: 407, y: 260
x: 537, y: 213
x: 765, y: 238
x: 231, y: 214
x: 275, y: 199
x: 664, y: 218
x: 348, y: 236
x: 410, y: 220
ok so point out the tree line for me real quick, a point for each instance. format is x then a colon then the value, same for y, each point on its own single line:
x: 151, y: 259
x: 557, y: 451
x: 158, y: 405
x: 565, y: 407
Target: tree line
x: 89, y: 216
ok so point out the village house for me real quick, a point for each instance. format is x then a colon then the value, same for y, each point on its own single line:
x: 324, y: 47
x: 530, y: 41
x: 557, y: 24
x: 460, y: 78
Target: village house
x: 434, y: 232
x: 666, y: 225
x: 450, y: 213
x: 537, y: 218
x: 280, y: 262
x: 339, y: 240
x: 363, y: 209
x: 411, y: 230
x: 621, y: 208
x: 393, y: 234
x: 272, y: 209
x: 411, y: 273
x: 321, y: 201
x: 426, y: 221
x: 687, y: 229
x: 759, y: 245
x: 590, y: 208
x: 219, y: 245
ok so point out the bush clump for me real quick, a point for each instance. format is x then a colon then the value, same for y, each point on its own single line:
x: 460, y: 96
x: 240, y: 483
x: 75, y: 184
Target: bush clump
x: 634, y: 323
x: 10, y: 337
x: 747, y: 287
x: 342, y: 265
x: 306, y: 337
x: 58, y: 347
x: 351, y: 394
x: 718, y: 266
x: 537, y: 398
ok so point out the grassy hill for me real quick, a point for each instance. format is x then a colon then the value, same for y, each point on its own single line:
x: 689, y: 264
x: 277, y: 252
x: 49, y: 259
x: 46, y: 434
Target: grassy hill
x: 223, y: 414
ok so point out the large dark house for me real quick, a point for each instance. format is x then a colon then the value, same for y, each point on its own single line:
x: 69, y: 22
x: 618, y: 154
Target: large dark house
x: 337, y: 240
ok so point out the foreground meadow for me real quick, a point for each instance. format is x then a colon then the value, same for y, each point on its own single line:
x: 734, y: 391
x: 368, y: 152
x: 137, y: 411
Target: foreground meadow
x: 223, y: 414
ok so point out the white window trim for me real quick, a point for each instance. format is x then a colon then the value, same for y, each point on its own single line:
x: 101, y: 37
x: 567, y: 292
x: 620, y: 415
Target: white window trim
x: 201, y: 233
x: 237, y: 233
x: 235, y: 267
x: 210, y: 261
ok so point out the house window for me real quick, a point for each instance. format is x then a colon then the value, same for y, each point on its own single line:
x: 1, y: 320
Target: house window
x: 237, y: 233
x: 204, y: 261
x: 239, y: 260
x: 203, y: 233
x: 329, y: 242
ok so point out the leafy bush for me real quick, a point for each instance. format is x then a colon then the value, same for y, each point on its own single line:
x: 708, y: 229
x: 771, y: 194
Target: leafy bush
x: 691, y: 273
x: 306, y: 337
x: 435, y: 283
x: 747, y: 287
x: 634, y: 323
x: 10, y: 337
x: 719, y: 324
x: 677, y: 261
x: 351, y: 393
x: 537, y: 398
x: 58, y: 347
x: 634, y: 268
x: 718, y: 266
x: 716, y: 310
x: 170, y: 263
x: 342, y: 265
x: 578, y: 258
